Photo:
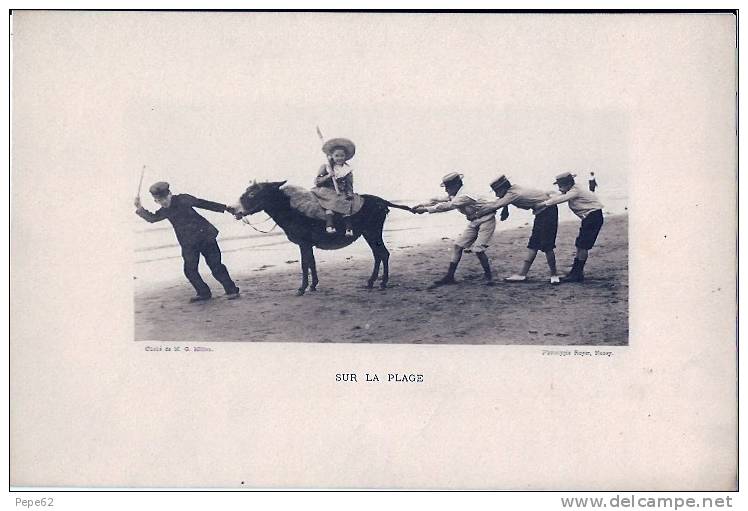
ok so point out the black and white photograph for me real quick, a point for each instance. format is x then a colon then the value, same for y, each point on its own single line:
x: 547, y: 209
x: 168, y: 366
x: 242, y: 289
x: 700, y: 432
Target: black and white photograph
x: 425, y: 250
x: 419, y: 193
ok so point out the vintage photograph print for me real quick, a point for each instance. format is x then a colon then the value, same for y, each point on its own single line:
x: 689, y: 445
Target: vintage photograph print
x: 424, y: 179
x: 391, y: 250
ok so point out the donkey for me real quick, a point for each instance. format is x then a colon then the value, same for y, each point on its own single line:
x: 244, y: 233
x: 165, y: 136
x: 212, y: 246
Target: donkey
x: 308, y: 233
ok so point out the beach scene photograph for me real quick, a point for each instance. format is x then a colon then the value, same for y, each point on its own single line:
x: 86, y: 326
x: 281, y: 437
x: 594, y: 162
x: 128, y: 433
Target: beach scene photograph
x: 258, y: 98
x: 381, y: 250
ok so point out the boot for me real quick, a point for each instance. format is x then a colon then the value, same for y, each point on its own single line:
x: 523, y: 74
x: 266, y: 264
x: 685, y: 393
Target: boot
x: 487, y: 276
x: 580, y: 270
x: 571, y: 276
x: 449, y: 278
x: 576, y: 274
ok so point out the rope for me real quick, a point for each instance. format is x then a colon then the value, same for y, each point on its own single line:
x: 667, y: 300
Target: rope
x: 246, y: 221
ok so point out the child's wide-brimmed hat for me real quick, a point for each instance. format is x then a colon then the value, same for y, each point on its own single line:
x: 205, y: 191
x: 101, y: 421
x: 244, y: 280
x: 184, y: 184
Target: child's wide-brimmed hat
x: 330, y: 145
x: 500, y: 182
x: 452, y: 176
x: 160, y: 189
x: 566, y: 178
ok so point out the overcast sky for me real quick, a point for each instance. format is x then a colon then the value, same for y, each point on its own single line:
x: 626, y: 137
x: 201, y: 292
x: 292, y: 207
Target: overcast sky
x: 209, y: 101
x: 420, y: 95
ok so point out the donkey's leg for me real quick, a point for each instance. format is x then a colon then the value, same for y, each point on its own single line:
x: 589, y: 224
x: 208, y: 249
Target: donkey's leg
x: 377, y: 260
x: 385, y: 255
x: 313, y: 268
x: 375, y: 271
x: 304, y: 269
x: 376, y: 244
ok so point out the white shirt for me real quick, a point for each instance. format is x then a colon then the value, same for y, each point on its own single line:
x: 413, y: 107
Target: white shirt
x: 521, y: 197
x: 340, y: 170
x: 581, y: 202
x: 467, y: 202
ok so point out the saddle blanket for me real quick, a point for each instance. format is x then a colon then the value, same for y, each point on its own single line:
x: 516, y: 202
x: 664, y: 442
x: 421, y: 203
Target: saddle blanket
x: 304, y: 201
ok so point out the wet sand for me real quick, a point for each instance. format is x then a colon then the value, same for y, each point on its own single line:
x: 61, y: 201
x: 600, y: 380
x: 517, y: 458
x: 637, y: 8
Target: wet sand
x: 343, y: 310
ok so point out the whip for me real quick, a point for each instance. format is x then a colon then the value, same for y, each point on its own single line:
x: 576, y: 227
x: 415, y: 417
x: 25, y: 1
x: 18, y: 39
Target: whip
x: 332, y: 165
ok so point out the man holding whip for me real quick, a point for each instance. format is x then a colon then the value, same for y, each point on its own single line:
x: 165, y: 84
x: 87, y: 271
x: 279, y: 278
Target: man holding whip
x: 195, y: 234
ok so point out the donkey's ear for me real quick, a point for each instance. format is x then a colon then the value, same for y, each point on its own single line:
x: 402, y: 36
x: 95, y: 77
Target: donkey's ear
x: 278, y: 184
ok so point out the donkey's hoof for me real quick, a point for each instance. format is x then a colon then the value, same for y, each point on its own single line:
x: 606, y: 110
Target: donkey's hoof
x: 383, y: 285
x: 370, y: 284
x: 299, y: 292
x: 312, y: 288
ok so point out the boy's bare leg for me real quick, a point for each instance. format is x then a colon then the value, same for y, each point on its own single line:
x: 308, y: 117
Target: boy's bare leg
x: 527, y: 263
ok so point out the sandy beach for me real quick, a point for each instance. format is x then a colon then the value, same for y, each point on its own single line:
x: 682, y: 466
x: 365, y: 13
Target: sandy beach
x: 343, y: 310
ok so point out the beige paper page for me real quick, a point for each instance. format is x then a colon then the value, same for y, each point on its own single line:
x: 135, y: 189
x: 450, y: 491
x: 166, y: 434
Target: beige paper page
x: 90, y: 406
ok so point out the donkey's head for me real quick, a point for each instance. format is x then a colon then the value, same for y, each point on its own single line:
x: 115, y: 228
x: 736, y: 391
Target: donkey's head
x: 257, y: 197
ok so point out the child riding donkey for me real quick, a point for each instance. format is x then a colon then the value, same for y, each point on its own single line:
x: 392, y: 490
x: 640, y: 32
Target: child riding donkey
x: 300, y: 213
x: 334, y: 183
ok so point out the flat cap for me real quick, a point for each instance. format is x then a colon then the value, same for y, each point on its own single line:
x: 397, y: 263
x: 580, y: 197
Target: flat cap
x: 500, y: 182
x: 160, y: 189
x: 565, y: 178
x: 452, y: 176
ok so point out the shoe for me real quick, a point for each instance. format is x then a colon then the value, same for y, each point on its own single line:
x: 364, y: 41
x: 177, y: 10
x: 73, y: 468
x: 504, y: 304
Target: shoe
x: 443, y: 282
x: 516, y: 278
x: 233, y: 295
x: 349, y: 232
x: 330, y: 230
x: 200, y: 298
x: 555, y: 280
x: 573, y: 277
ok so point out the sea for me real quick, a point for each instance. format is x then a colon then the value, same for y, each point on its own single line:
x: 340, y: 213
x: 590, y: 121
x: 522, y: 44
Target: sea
x: 255, y: 244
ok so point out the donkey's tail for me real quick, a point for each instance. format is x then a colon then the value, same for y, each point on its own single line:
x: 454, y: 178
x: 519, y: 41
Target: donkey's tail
x: 383, y: 202
x: 398, y: 206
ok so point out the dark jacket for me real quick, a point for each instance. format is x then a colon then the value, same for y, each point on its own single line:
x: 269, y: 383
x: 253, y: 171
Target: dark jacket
x: 191, y: 228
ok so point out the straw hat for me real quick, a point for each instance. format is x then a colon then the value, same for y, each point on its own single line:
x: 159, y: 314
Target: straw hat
x: 330, y: 145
